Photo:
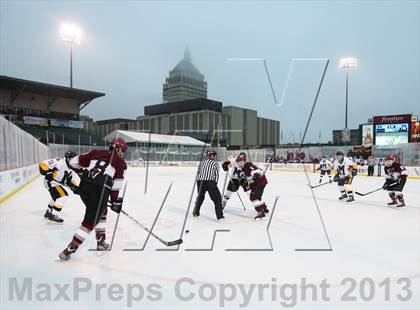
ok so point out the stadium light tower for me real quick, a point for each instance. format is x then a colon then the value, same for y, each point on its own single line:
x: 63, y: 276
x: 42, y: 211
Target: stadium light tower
x: 70, y: 33
x: 346, y: 64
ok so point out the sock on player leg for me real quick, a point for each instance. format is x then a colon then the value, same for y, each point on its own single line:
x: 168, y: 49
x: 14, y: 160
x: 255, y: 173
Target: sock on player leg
x: 101, y: 228
x: 79, y: 236
x: 392, y: 195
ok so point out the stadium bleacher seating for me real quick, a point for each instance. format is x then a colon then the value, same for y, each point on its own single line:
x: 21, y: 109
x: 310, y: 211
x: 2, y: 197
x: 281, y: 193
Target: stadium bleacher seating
x: 56, y: 134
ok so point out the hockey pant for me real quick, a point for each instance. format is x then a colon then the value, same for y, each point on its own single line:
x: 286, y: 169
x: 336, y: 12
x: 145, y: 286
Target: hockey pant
x: 344, y: 185
x: 232, y: 187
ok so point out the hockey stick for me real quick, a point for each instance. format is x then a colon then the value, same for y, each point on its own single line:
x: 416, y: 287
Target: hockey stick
x: 318, y: 185
x: 239, y: 196
x: 118, y: 218
x: 378, y: 189
x: 167, y: 243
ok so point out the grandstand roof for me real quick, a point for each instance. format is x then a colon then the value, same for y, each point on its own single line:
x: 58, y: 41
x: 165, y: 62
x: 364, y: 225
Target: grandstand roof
x: 51, y: 90
x: 144, y: 137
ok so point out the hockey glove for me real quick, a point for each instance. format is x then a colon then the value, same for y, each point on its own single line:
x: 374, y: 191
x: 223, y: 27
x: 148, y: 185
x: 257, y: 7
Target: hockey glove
x: 256, y: 176
x: 74, y: 188
x: 225, y: 166
x: 116, y: 205
x: 385, y: 186
x: 353, y: 172
x: 49, y: 175
x: 243, y: 182
x: 336, y: 177
x: 402, y: 179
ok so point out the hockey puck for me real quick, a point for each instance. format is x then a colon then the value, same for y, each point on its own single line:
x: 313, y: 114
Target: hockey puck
x: 187, y: 231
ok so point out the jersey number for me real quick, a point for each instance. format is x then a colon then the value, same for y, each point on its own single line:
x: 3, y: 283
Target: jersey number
x: 98, y: 169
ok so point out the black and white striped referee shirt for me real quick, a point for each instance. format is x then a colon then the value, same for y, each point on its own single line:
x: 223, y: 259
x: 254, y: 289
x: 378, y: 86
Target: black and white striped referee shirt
x: 208, y: 171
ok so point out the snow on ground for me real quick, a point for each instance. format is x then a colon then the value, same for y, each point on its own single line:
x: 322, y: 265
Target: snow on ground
x: 368, y: 238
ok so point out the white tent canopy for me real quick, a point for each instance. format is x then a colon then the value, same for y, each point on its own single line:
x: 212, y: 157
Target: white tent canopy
x: 145, y: 137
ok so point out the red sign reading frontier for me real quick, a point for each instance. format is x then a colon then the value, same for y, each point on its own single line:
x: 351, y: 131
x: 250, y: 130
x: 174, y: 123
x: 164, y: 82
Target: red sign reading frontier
x: 392, y: 119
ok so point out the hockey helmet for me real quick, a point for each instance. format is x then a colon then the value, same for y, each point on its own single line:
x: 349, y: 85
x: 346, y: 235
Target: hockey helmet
x: 389, y: 160
x: 69, y: 155
x: 241, y: 157
x: 119, y: 145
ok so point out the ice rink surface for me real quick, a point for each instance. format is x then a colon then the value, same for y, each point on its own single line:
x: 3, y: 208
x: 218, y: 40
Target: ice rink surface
x: 371, y: 243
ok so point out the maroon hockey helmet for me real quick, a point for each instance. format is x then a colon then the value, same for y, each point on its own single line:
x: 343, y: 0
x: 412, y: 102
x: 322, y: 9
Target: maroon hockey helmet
x: 389, y: 160
x: 119, y: 145
x: 241, y: 157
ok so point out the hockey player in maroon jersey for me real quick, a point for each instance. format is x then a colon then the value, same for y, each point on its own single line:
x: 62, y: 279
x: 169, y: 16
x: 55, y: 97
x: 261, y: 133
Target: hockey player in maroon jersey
x: 102, y: 174
x: 253, y: 178
x: 233, y: 184
x: 396, y: 176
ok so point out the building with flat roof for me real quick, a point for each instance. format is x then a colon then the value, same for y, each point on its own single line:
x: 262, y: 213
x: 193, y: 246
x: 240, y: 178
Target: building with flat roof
x: 202, y: 119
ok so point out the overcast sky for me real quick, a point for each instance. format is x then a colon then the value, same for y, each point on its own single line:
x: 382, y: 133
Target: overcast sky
x: 128, y: 48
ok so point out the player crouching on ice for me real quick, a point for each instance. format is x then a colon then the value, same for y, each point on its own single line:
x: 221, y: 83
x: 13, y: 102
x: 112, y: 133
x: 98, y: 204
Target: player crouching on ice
x: 345, y: 171
x: 325, y: 167
x: 233, y: 184
x: 396, y: 176
x: 253, y: 178
x: 57, y: 174
x: 102, y: 175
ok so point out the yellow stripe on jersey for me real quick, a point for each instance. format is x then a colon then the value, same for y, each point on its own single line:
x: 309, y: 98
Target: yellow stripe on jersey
x: 60, y: 191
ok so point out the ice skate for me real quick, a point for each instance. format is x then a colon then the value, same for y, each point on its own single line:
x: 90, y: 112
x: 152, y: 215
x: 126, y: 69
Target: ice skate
x: 260, y: 215
x: 54, y: 218
x: 350, y: 199
x: 400, y: 205
x: 102, y: 245
x: 47, y: 213
x: 343, y: 196
x: 393, y: 202
x: 67, y: 252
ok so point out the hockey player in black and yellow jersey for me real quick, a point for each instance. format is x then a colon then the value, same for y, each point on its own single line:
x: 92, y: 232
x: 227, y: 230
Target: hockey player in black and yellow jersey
x: 345, y: 172
x: 57, y: 176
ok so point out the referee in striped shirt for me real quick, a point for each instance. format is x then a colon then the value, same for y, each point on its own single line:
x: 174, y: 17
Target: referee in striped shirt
x: 208, y: 175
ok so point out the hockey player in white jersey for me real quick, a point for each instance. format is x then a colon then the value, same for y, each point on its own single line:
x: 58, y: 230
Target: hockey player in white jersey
x: 325, y: 167
x: 345, y: 171
x: 57, y: 174
x: 235, y: 175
